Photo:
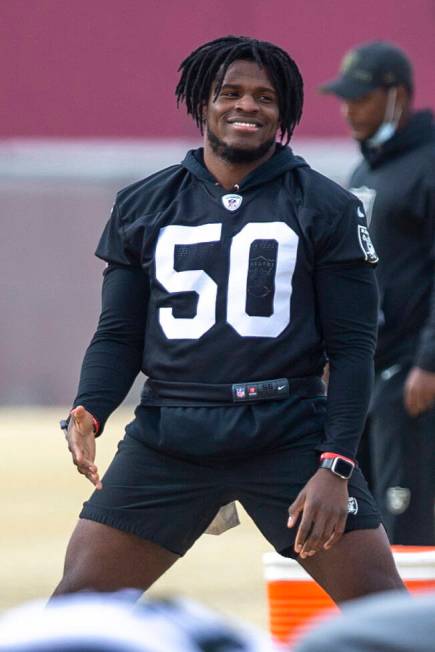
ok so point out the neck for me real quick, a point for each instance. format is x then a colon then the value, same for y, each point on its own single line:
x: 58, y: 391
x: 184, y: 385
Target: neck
x: 229, y: 174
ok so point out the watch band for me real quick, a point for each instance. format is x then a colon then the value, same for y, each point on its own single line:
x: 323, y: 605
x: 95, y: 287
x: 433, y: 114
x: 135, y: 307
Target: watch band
x: 340, y: 466
x: 64, y: 423
x: 328, y: 455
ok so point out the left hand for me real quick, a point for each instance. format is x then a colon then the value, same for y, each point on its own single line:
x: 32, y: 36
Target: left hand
x: 323, y: 503
x: 419, y: 392
x: 80, y: 437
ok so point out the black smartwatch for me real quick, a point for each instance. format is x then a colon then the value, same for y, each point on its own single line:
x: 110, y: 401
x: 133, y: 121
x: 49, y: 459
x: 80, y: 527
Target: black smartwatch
x: 339, y: 466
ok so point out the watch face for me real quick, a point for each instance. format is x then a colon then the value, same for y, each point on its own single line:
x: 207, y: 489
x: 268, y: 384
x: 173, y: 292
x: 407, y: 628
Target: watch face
x: 343, y: 468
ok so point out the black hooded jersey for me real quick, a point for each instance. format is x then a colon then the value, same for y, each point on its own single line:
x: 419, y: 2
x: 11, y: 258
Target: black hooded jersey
x: 226, y: 287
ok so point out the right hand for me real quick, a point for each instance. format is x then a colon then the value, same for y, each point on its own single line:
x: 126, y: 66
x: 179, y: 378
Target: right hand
x: 419, y: 392
x: 81, y: 444
x: 322, y: 505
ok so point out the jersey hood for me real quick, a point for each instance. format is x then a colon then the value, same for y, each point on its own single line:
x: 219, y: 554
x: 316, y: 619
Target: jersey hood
x: 281, y: 162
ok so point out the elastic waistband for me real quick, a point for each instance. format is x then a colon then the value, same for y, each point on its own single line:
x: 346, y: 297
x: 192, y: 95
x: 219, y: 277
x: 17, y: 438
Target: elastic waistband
x: 243, y: 392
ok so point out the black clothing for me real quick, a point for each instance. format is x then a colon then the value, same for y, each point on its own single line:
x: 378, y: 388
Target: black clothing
x: 404, y: 462
x: 170, y: 499
x: 397, y: 180
x: 197, y: 292
x: 401, y: 174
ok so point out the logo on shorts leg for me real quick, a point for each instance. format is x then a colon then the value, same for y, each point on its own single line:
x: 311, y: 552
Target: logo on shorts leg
x: 352, y: 506
x: 398, y: 499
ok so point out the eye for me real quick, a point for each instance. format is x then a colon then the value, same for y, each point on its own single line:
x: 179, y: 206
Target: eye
x: 227, y: 93
x: 266, y: 99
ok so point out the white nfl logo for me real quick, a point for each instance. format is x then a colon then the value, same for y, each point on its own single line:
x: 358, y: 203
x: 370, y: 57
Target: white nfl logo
x: 232, y: 202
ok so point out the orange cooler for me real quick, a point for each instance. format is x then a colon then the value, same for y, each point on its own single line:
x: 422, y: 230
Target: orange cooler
x: 294, y: 598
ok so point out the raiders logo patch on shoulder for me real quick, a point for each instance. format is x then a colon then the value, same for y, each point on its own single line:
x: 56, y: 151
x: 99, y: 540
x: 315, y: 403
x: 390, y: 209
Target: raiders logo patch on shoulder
x: 367, y: 197
x: 232, y: 202
x: 366, y: 245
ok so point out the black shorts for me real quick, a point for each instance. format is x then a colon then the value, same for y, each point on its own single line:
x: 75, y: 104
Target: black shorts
x: 158, y: 491
x: 403, y: 456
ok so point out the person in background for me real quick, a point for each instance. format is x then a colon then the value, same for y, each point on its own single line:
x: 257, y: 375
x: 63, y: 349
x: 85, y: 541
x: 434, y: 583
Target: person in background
x: 90, y: 622
x: 396, y: 183
x: 390, y: 622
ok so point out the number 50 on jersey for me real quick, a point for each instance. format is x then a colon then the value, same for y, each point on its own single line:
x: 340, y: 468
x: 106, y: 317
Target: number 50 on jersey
x: 200, y: 282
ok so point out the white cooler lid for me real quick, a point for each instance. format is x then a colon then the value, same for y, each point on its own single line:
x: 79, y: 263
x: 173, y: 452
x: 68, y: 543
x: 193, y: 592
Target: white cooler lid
x: 411, y: 566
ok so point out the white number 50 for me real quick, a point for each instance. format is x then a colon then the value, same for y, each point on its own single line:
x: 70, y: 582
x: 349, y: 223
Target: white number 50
x: 200, y: 282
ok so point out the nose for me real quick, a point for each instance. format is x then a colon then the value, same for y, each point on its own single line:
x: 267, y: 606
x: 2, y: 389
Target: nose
x: 348, y: 110
x: 247, y: 103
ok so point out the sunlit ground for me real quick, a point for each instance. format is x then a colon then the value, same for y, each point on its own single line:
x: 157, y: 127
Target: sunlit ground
x: 41, y: 494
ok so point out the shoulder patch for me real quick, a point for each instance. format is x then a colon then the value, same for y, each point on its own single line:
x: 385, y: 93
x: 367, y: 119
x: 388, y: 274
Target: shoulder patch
x: 366, y: 245
x: 360, y: 213
x: 367, y: 197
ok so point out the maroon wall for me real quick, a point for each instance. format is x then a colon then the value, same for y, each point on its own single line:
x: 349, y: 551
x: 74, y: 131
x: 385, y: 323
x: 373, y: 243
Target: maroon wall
x: 107, y: 68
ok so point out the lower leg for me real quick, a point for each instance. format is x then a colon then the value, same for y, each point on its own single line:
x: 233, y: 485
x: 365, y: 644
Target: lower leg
x: 101, y: 558
x: 359, y: 564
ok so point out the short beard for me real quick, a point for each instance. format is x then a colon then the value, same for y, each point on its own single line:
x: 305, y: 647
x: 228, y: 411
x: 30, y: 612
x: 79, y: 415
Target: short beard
x: 234, y: 155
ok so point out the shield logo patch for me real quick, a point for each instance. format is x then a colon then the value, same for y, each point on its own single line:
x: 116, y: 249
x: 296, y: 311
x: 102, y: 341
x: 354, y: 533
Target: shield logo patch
x: 232, y: 202
x: 398, y: 499
x: 366, y: 245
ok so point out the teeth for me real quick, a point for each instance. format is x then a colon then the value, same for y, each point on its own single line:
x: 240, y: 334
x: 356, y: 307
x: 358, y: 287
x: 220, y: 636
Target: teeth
x: 245, y: 124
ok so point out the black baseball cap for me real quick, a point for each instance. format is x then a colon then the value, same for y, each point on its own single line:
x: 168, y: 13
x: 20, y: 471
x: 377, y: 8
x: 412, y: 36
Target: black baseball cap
x: 378, y: 64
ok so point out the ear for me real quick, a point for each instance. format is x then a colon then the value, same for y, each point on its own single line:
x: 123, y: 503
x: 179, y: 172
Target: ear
x: 204, y: 112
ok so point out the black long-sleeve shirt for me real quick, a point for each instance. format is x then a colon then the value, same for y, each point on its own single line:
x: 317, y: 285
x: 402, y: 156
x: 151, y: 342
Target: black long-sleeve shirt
x: 398, y: 182
x: 196, y: 292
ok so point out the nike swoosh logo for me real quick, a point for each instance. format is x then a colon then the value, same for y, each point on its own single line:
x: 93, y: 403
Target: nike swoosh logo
x: 360, y: 212
x: 280, y: 387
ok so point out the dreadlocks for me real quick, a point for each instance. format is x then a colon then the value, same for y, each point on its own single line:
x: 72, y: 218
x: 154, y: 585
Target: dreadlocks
x: 209, y: 63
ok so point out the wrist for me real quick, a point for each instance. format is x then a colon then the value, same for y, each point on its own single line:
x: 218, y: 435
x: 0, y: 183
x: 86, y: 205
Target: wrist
x: 96, y: 426
x: 339, y: 465
x: 330, y: 456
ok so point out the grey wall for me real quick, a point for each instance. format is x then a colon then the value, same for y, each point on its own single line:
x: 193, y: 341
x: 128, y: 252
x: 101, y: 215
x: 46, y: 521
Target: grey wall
x: 55, y: 199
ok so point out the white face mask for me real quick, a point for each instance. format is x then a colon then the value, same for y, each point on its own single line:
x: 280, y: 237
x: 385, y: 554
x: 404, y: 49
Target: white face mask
x: 391, y: 119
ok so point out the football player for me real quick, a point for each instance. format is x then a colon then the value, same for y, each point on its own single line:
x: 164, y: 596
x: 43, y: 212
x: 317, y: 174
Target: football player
x: 230, y: 277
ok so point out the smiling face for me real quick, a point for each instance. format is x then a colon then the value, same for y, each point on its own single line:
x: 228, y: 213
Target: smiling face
x: 241, y: 124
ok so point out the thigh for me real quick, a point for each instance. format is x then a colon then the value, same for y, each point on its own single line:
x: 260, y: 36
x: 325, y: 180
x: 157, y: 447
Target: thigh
x: 270, y: 483
x: 157, y: 497
x: 359, y: 564
x: 101, y: 558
